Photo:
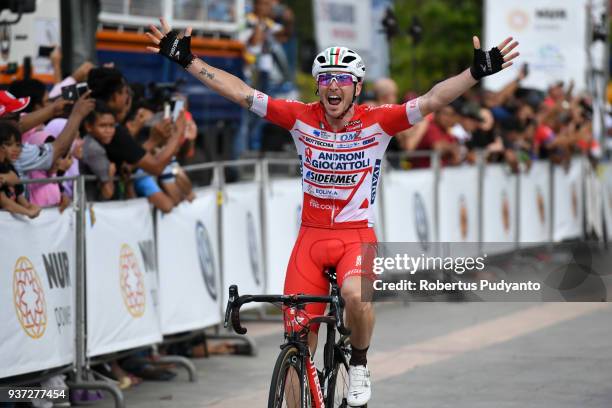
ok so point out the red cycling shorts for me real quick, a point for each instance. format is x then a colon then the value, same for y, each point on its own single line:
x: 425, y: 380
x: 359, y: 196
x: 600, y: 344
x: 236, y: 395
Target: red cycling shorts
x: 317, y: 249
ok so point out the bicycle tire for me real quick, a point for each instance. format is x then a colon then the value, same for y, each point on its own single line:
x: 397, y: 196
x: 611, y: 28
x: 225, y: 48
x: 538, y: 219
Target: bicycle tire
x: 287, y: 360
x: 337, y: 386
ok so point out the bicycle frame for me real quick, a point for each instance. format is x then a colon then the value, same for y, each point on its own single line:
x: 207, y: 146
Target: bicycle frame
x: 313, y: 382
x: 297, y: 326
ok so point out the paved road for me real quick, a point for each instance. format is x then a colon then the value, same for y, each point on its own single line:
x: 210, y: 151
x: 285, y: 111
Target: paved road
x: 455, y: 355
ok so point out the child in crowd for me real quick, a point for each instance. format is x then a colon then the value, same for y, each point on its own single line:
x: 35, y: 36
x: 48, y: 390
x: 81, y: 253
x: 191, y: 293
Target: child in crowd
x: 49, y: 194
x: 100, y: 126
x: 12, y: 197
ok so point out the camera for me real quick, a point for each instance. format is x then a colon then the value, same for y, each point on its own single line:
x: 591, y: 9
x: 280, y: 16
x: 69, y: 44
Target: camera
x: 73, y: 92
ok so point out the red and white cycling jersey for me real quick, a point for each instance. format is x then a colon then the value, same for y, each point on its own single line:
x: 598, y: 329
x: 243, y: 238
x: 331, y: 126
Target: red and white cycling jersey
x: 340, y: 170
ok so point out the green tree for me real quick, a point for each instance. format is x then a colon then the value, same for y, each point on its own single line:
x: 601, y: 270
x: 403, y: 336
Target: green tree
x: 445, y: 48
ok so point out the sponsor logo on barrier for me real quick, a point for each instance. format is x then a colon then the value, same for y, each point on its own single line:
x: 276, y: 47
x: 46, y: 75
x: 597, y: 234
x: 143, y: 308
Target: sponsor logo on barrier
x: 421, y: 221
x: 132, y: 282
x: 147, y: 251
x: 252, y: 242
x: 463, y: 217
x: 505, y: 211
x: 540, y: 205
x: 518, y: 19
x: 574, y: 200
x: 375, y: 177
x: 29, y: 299
x: 58, y: 269
x: 551, y: 14
x: 57, y: 266
x: 206, y: 258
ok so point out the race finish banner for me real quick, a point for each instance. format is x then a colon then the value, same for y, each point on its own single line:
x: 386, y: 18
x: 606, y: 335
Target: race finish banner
x: 568, y: 201
x: 121, y: 277
x: 552, y: 35
x: 535, y: 204
x: 241, y: 237
x: 499, y: 209
x: 188, y: 255
x: 283, y: 219
x: 37, y: 292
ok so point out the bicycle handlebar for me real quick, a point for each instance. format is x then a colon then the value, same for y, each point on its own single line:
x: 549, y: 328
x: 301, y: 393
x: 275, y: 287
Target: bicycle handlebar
x: 235, y: 302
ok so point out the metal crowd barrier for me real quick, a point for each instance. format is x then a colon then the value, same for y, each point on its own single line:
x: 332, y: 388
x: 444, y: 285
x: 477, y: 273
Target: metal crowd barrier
x: 262, y: 176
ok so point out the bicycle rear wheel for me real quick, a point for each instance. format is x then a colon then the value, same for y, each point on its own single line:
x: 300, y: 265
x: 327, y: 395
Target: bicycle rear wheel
x: 337, y: 387
x: 287, y: 384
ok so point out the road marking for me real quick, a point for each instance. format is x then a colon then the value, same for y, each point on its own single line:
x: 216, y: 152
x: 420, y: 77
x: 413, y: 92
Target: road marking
x: 393, y: 363
x: 385, y: 365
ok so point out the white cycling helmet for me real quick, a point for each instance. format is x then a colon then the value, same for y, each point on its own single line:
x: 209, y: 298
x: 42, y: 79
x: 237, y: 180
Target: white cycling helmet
x: 338, y: 59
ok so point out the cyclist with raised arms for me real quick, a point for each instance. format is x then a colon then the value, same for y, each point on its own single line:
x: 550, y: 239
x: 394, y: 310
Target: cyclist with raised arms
x: 340, y: 145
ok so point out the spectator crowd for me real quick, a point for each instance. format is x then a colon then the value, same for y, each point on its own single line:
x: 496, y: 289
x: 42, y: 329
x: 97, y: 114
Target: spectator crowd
x: 515, y: 125
x: 92, y: 122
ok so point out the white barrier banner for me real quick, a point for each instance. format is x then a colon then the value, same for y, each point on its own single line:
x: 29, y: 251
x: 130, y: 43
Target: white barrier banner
x: 283, y: 218
x: 499, y: 208
x: 458, y: 204
x: 121, y: 277
x: 606, y: 190
x: 408, y: 201
x: 568, y: 201
x: 188, y: 253
x: 241, y: 237
x: 595, y: 199
x: 535, y: 204
x: 37, y: 292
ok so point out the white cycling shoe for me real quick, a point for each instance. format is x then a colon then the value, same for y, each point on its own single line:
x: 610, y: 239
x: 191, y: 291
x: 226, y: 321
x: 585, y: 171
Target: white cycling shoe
x: 360, y: 390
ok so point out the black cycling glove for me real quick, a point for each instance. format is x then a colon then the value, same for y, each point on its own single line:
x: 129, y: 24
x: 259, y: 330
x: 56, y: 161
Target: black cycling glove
x: 486, y: 63
x: 177, y: 49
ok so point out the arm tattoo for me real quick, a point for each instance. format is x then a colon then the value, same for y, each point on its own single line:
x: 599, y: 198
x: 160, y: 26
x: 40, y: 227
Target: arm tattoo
x: 249, y: 100
x: 207, y: 74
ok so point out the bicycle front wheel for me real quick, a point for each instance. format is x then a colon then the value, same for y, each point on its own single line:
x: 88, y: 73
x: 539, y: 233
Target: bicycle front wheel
x: 337, y: 387
x: 287, y: 385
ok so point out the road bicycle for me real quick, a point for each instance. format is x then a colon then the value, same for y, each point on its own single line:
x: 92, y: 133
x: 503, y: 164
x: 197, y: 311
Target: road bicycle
x: 296, y: 382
